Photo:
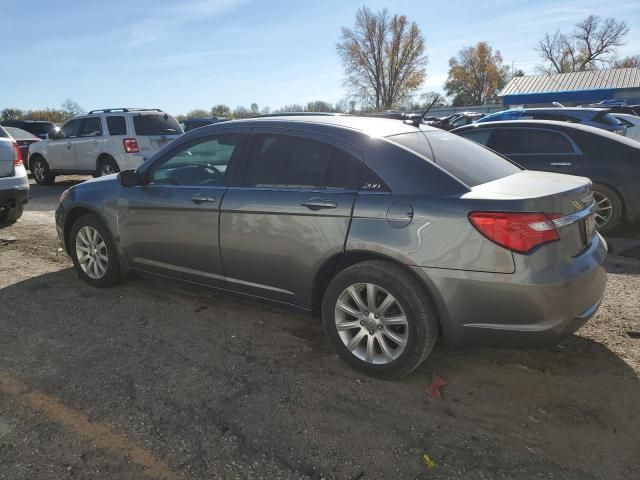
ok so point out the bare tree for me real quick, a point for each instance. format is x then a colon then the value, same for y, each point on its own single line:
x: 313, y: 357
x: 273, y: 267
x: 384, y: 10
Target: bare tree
x: 70, y: 108
x: 627, y: 62
x: 383, y: 58
x: 590, y: 46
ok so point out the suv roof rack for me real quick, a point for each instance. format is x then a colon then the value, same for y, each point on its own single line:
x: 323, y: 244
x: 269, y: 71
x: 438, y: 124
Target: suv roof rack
x: 122, y: 109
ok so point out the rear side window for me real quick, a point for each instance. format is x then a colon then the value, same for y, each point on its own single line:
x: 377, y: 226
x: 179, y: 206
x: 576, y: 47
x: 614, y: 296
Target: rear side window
x: 156, y: 124
x: 91, y: 127
x: 288, y: 162
x: 529, y: 142
x: 467, y: 161
x: 117, y: 125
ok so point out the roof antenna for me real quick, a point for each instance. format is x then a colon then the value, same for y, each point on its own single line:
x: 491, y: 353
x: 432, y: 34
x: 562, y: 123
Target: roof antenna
x: 417, y: 121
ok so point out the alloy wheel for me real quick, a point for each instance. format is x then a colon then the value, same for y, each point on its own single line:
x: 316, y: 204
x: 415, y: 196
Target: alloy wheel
x: 604, y: 209
x: 91, y: 252
x: 371, y: 323
x: 107, y: 169
x: 38, y: 171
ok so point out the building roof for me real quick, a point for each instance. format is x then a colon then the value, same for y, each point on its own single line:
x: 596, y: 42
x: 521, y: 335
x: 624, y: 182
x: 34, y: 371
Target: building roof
x: 616, y: 78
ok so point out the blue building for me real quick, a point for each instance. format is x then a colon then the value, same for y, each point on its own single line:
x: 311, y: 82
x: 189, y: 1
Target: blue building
x: 575, y: 88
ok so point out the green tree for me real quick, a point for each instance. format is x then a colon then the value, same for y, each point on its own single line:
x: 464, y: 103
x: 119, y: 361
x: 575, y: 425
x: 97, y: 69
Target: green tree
x: 11, y: 114
x: 242, y: 112
x: 475, y: 75
x: 383, y: 58
x: 220, y: 110
x: 320, y: 106
x: 197, y: 113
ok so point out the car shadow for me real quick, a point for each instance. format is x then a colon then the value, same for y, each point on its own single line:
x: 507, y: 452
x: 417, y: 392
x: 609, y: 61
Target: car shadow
x: 187, y: 371
x: 43, y: 198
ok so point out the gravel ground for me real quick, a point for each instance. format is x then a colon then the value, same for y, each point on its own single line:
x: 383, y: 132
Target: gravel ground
x: 154, y: 379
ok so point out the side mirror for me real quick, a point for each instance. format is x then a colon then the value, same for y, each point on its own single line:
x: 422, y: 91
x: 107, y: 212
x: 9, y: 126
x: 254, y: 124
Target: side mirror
x: 55, y: 134
x: 129, y: 178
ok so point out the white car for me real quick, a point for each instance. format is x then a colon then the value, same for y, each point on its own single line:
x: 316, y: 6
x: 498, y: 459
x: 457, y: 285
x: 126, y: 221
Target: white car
x: 102, y: 142
x: 14, y: 184
x: 631, y: 122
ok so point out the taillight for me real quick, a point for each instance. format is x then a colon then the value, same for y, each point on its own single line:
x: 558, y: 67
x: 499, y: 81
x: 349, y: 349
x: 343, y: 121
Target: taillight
x: 130, y: 145
x: 17, y: 154
x: 519, y: 232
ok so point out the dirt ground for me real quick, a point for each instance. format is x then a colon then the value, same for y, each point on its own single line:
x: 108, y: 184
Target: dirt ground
x: 153, y: 379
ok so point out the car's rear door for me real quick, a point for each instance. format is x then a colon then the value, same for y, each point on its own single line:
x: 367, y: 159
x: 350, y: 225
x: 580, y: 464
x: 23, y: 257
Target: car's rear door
x: 169, y: 225
x: 537, y: 148
x: 290, y: 212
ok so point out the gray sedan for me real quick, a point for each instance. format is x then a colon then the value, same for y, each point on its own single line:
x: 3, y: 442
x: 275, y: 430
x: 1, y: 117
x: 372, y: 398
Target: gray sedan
x: 391, y: 233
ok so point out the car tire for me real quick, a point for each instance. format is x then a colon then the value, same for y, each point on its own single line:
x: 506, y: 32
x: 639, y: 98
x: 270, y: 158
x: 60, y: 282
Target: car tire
x: 11, y: 215
x: 41, y: 171
x: 106, y: 166
x: 94, y: 252
x: 407, y: 344
x: 607, y: 201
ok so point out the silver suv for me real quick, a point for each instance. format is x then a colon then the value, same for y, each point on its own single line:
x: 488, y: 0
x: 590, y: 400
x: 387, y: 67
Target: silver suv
x: 391, y: 233
x: 14, y: 184
x: 102, y: 142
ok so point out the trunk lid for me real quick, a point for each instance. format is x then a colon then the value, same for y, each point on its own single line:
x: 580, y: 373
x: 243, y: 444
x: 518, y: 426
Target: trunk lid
x: 6, y: 157
x: 565, y: 197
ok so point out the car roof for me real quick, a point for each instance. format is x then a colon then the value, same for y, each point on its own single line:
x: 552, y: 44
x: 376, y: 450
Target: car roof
x: 373, y: 126
x: 554, y: 125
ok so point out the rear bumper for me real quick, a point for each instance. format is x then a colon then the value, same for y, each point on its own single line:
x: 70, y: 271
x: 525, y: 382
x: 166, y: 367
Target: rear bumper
x: 14, y: 189
x: 522, y: 310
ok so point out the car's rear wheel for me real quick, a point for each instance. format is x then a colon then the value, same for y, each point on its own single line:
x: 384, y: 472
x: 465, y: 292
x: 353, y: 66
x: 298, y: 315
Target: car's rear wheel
x: 107, y: 166
x: 93, y: 252
x: 608, y: 208
x: 11, y: 215
x: 379, y: 319
x: 41, y: 171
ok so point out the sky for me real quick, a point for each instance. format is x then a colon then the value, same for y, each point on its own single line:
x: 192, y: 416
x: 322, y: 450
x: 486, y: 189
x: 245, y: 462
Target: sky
x: 187, y: 54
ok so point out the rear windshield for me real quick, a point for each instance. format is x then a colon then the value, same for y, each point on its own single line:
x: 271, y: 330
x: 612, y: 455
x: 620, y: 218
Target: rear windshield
x: 469, y: 162
x: 3, y: 133
x: 19, y: 134
x: 156, y: 124
x: 38, y: 128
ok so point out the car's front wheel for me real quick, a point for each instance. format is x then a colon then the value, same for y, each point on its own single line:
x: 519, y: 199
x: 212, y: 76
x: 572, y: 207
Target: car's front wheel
x: 94, y: 252
x: 41, y: 171
x: 379, y: 319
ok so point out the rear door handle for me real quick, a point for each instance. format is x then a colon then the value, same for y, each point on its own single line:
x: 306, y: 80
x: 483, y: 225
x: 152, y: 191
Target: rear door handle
x: 317, y: 203
x: 560, y: 164
x: 202, y: 198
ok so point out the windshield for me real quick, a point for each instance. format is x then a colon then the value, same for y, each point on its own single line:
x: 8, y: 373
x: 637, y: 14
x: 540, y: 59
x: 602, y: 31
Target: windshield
x: 156, y: 124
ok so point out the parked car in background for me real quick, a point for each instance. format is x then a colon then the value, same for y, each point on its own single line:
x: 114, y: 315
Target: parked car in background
x: 632, y: 123
x: 594, y: 117
x: 102, y: 142
x: 612, y: 162
x: 456, y: 120
x: 193, y: 123
x: 38, y: 128
x: 14, y: 183
x: 391, y: 233
x: 616, y: 107
x: 23, y: 139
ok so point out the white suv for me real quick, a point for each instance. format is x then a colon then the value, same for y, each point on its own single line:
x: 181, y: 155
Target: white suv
x: 102, y: 142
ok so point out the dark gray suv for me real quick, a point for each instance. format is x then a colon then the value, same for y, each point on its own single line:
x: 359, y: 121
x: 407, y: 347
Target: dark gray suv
x: 391, y: 233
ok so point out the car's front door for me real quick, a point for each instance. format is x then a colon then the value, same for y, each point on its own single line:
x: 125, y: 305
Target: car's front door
x: 89, y: 143
x: 169, y: 225
x: 537, y: 149
x: 291, y: 212
x: 62, y: 151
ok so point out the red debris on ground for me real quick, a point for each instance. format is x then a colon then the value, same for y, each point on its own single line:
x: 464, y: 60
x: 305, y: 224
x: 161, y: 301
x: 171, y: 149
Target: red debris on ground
x: 433, y: 390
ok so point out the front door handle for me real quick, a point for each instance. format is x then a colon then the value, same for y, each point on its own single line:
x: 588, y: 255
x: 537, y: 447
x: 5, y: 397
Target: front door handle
x: 317, y: 203
x: 560, y: 164
x: 202, y: 198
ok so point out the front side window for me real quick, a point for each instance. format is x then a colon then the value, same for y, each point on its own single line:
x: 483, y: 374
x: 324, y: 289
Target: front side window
x: 198, y: 164
x: 91, y: 127
x: 478, y: 136
x: 529, y: 142
x: 288, y: 162
x: 70, y: 129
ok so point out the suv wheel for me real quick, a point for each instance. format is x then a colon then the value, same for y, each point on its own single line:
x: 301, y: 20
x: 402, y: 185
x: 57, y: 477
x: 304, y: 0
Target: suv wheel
x: 41, y: 171
x: 93, y: 252
x: 380, y: 321
x: 107, y: 166
x: 608, y: 208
